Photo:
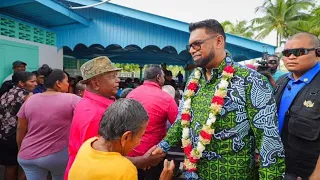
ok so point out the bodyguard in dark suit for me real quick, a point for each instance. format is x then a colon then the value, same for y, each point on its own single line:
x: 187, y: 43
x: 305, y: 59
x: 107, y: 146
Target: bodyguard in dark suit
x: 298, y: 100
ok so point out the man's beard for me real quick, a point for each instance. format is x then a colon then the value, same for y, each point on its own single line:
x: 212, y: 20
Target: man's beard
x: 205, y: 61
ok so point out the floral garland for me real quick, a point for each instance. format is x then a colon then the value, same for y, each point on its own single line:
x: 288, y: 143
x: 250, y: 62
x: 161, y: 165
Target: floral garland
x: 194, y: 154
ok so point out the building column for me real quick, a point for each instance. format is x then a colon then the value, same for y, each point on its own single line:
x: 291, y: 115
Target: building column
x: 141, y: 67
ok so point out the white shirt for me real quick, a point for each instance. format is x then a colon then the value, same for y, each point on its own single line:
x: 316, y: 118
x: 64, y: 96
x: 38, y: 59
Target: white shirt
x: 8, y: 78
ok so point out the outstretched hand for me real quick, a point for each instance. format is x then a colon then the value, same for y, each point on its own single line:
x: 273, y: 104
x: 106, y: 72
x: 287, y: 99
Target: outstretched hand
x: 153, y: 159
x: 167, y: 171
x: 157, y: 150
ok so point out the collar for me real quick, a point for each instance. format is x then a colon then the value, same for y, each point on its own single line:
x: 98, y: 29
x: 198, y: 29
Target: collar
x: 41, y: 86
x: 150, y: 83
x: 96, y: 97
x: 308, y: 76
x: 217, y: 72
x: 20, y: 89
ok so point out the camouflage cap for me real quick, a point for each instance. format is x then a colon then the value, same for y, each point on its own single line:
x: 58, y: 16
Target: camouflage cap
x: 95, y: 67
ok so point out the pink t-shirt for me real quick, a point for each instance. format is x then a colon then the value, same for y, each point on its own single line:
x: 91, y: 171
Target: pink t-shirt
x: 85, y: 123
x: 49, y: 119
x: 160, y: 107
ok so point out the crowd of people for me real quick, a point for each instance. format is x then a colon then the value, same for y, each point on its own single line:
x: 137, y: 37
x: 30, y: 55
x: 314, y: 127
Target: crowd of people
x: 232, y: 121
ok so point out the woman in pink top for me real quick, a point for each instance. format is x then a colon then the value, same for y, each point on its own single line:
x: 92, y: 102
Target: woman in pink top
x: 43, y: 129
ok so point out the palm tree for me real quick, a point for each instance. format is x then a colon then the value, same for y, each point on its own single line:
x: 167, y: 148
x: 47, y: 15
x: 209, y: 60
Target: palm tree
x: 281, y: 16
x: 241, y: 28
x: 311, y: 23
x: 315, y: 22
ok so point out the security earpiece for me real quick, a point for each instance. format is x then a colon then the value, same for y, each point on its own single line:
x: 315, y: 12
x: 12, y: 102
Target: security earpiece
x: 317, y: 52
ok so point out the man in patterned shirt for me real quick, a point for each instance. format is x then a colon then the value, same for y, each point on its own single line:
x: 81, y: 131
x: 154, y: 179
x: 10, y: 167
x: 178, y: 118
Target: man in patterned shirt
x: 247, y: 120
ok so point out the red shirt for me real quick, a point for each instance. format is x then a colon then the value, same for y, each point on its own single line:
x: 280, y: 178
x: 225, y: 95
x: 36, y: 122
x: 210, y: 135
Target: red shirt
x: 160, y: 107
x: 85, y: 122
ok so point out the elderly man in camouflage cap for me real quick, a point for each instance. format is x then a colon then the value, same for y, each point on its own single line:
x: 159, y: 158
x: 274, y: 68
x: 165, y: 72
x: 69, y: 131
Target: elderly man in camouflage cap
x: 102, y: 83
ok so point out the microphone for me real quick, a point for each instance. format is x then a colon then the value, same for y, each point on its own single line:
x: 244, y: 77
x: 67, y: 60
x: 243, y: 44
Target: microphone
x: 289, y: 87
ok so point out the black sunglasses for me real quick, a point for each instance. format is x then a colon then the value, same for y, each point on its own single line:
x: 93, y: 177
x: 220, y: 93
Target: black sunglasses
x: 197, y: 44
x: 297, y: 52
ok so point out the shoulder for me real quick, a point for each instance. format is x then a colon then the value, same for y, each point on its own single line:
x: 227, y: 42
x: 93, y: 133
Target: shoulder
x: 191, y: 75
x: 87, y: 144
x: 165, y: 96
x: 71, y: 99
x: 84, y: 108
x: 7, y: 83
x: 128, y: 166
x: 86, y: 104
x: 8, y: 78
x: 251, y: 79
x: 243, y: 70
x: 248, y: 74
x: 69, y: 95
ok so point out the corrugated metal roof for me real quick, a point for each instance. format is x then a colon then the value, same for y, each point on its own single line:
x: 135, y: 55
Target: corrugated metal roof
x: 108, y: 28
x: 40, y: 13
x: 110, y: 25
x: 34, y: 12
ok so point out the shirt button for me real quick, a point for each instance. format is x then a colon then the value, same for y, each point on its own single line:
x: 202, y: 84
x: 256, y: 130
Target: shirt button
x: 305, y: 79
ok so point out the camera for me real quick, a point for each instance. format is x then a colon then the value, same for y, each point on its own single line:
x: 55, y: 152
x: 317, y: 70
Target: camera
x: 263, y: 65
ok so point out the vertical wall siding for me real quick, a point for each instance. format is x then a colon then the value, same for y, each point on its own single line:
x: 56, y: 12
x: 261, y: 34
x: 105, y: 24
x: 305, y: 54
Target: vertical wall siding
x: 108, y: 28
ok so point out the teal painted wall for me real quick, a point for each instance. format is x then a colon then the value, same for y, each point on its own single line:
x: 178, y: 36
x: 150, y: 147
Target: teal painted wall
x: 12, y: 51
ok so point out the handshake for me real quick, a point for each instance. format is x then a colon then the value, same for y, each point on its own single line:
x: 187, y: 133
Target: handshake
x: 152, y: 158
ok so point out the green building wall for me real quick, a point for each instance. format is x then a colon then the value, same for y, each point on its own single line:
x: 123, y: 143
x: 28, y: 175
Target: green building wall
x: 13, y: 51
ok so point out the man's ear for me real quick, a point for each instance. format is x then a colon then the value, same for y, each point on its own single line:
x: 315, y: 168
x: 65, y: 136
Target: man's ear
x: 158, y: 77
x: 219, y: 42
x: 94, y: 83
x: 126, y: 137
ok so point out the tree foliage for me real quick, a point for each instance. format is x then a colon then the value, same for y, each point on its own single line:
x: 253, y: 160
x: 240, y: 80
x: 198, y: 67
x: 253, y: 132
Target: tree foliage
x: 240, y: 28
x: 281, y: 16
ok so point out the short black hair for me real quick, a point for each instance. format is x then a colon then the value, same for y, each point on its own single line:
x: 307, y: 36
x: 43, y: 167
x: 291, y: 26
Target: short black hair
x: 22, y: 76
x: 211, y: 26
x: 35, y: 73
x: 44, y: 70
x: 167, y: 73
x: 128, y: 80
x: 80, y: 87
x: 18, y: 63
x: 273, y: 55
x: 121, y: 116
x: 79, y: 78
x: 54, y: 76
x: 151, y: 72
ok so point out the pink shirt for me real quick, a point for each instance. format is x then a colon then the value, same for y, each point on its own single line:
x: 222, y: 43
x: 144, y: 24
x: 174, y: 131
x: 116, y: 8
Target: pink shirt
x: 85, y: 123
x: 49, y: 119
x: 160, y: 107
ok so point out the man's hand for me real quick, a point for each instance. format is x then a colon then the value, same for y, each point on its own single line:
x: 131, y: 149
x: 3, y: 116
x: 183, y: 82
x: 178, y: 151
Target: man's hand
x: 266, y: 73
x: 153, y: 159
x: 167, y: 171
x: 148, y: 159
x: 157, y: 150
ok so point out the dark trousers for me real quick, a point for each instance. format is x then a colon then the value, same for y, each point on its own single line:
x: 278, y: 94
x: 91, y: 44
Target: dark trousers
x: 151, y: 174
